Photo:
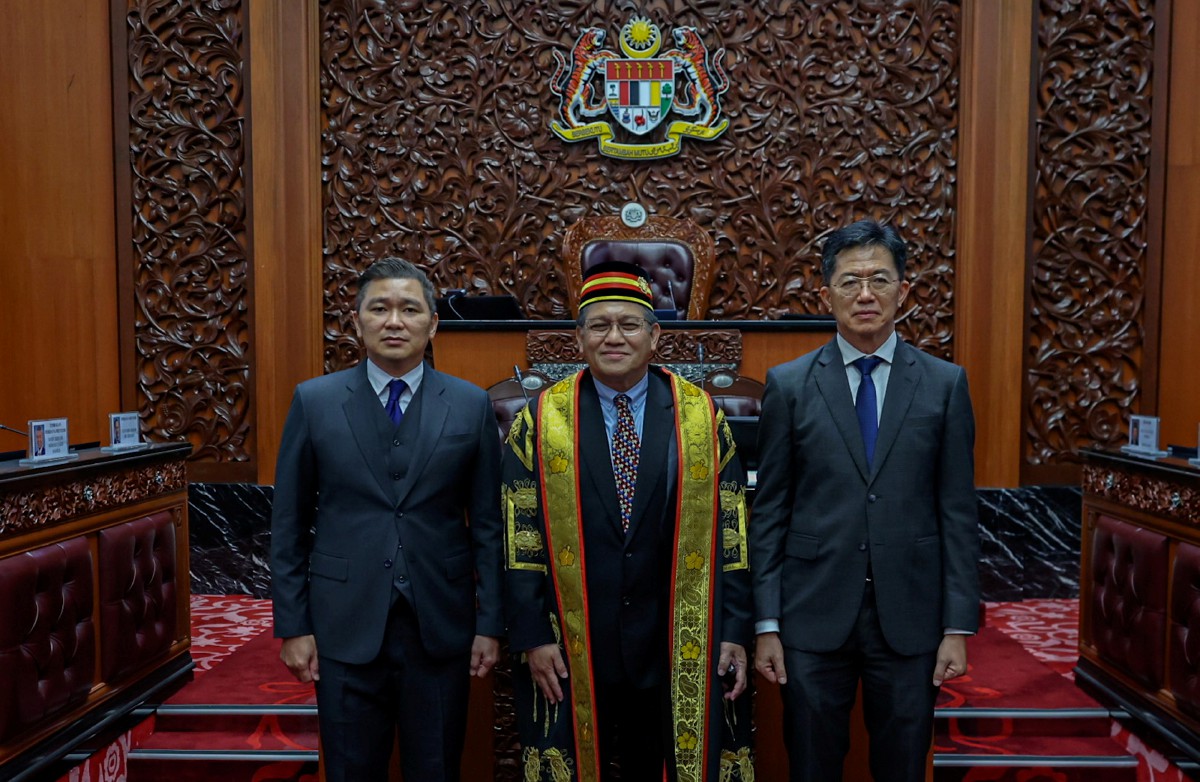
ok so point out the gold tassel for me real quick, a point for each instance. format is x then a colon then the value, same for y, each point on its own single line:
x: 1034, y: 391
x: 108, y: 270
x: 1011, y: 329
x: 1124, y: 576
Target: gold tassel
x: 560, y: 771
x: 728, y: 759
x: 532, y: 765
x: 746, y: 764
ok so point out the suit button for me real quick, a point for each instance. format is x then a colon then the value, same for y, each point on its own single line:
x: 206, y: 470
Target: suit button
x: 399, y: 514
x: 402, y: 579
x: 628, y: 554
x: 862, y: 546
x: 387, y: 563
x: 396, y: 442
x: 625, y: 601
x: 871, y: 498
x: 395, y: 476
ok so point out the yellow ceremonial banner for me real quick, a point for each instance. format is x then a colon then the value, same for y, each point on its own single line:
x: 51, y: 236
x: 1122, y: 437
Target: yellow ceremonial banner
x: 557, y: 415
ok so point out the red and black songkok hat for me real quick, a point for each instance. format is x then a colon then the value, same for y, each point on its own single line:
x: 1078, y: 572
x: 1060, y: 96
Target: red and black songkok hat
x: 616, y: 281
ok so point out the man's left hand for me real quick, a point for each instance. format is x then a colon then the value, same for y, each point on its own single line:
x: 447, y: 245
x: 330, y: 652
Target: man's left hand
x: 485, y: 653
x: 951, y: 659
x: 733, y: 660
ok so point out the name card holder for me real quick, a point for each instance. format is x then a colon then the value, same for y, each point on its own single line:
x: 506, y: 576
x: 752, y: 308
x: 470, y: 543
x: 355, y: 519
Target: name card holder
x: 1143, y: 437
x: 124, y: 433
x: 48, y: 443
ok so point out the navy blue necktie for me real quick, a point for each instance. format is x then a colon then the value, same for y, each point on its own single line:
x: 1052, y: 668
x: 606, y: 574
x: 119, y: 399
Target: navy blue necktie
x: 866, y: 405
x: 394, y: 411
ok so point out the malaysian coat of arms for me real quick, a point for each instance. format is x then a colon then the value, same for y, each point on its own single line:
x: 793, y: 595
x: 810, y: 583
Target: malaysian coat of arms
x: 638, y: 91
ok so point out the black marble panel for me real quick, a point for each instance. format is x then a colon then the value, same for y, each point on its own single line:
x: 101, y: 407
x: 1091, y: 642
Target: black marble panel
x: 1030, y: 542
x: 1029, y: 536
x: 230, y: 538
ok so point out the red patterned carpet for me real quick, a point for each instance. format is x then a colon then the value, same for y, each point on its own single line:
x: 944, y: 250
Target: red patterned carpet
x: 1022, y: 659
x: 1048, y: 630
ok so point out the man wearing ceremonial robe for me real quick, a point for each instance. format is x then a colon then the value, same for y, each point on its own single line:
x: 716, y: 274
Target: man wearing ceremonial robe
x: 627, y: 591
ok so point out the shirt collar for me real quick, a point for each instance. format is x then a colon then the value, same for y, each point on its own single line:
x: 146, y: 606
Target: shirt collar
x: 380, y: 379
x: 636, y: 395
x: 850, y: 354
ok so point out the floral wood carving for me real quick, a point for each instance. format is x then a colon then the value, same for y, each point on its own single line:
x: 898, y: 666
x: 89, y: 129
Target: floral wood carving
x: 436, y: 147
x: 1090, y: 224
x: 1169, y: 499
x: 187, y: 145
x: 21, y: 511
x: 722, y: 346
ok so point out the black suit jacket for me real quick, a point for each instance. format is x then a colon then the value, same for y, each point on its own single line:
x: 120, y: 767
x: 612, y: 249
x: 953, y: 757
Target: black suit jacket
x: 339, y: 514
x: 628, y: 575
x: 821, y: 514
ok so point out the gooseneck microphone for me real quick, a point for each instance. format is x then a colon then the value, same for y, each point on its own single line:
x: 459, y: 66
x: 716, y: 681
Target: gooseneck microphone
x: 521, y: 382
x: 15, y: 431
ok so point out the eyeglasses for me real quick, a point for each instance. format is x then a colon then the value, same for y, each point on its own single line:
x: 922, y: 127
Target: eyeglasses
x: 601, y: 328
x: 849, y: 287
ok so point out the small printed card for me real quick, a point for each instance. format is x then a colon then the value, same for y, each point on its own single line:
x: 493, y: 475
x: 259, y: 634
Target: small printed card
x: 1143, y: 436
x: 124, y: 432
x: 48, y: 442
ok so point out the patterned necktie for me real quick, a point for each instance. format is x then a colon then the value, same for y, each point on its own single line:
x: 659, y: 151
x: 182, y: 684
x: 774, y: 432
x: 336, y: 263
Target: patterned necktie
x: 866, y: 405
x: 625, y: 448
x: 394, y: 411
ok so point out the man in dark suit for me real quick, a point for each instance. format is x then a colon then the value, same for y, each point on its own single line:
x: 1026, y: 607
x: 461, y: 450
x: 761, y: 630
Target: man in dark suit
x: 386, y: 542
x: 863, y: 540
x: 628, y: 598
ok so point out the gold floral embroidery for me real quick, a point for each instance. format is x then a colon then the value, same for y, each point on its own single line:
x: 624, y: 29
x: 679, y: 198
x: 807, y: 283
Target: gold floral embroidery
x: 734, y: 545
x: 692, y: 609
x: 523, y: 542
x: 520, y: 438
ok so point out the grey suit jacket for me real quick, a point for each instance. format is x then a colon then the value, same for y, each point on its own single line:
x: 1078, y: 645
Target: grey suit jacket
x: 821, y: 514
x: 339, y: 515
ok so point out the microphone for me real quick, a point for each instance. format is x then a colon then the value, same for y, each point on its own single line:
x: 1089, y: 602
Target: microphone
x: 15, y: 431
x: 674, y: 301
x: 520, y: 382
x: 451, y: 295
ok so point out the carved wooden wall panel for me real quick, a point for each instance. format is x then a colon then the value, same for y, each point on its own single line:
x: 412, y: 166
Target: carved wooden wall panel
x: 187, y: 115
x: 1092, y: 203
x: 436, y: 147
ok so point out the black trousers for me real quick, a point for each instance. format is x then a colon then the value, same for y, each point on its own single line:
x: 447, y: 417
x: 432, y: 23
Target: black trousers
x: 898, y: 700
x: 361, y: 708
x: 633, y: 727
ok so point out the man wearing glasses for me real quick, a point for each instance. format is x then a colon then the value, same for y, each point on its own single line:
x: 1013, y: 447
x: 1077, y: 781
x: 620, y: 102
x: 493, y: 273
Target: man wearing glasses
x: 627, y: 593
x: 864, y: 539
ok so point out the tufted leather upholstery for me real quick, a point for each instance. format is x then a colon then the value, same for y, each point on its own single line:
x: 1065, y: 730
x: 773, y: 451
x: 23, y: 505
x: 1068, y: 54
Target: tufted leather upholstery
x: 669, y: 264
x: 736, y: 395
x: 1184, y: 676
x: 508, y: 398
x: 1129, y: 596
x: 137, y: 593
x: 670, y: 249
x: 47, y: 633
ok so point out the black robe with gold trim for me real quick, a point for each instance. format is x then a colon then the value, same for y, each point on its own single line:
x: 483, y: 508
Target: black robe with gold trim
x: 647, y: 607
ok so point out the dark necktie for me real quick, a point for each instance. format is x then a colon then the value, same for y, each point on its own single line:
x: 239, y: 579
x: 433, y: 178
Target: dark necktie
x: 394, y: 411
x: 625, y: 458
x: 866, y: 405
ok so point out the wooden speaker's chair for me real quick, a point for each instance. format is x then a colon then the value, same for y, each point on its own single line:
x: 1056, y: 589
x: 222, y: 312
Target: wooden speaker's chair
x: 677, y: 253
x: 733, y: 393
x: 508, y: 397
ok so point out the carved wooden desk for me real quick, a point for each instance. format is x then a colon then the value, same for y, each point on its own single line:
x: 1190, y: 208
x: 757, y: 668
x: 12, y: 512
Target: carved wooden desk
x: 1139, y: 592
x: 94, y: 618
x: 484, y: 352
